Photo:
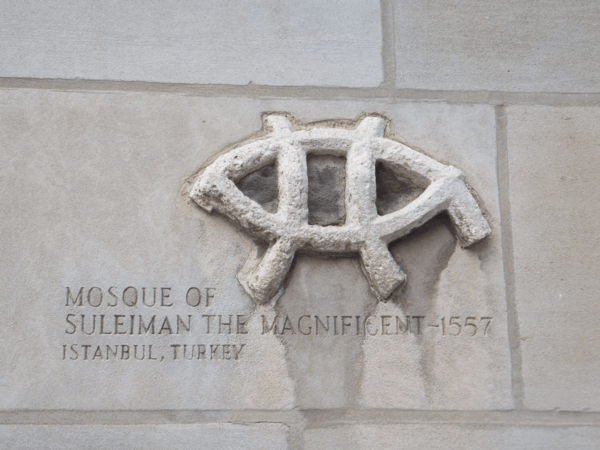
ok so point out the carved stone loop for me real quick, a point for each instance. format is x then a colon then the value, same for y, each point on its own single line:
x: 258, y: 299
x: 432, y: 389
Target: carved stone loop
x: 364, y: 232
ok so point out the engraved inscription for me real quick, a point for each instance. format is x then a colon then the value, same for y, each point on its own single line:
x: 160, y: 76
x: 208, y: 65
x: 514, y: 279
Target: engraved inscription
x: 344, y: 325
x: 162, y: 324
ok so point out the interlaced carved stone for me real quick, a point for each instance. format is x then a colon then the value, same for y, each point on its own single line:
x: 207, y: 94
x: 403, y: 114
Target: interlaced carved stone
x: 364, y: 232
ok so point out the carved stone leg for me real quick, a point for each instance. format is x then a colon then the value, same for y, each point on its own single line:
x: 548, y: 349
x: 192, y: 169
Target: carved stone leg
x: 384, y: 274
x: 268, y: 277
x: 469, y: 223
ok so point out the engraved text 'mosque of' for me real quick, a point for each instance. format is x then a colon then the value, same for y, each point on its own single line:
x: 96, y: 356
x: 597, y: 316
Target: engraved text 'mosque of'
x: 364, y: 231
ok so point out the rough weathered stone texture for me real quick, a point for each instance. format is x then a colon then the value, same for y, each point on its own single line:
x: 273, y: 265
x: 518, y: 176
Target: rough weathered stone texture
x: 261, y: 186
x: 447, y: 436
x: 363, y: 231
x: 251, y: 41
x: 506, y: 45
x: 92, y: 196
x: 148, y: 437
x: 554, y: 162
x: 326, y: 189
x: 394, y: 192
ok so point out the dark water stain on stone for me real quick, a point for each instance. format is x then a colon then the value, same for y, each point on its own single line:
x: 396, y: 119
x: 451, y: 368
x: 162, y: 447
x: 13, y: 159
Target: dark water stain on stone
x: 393, y: 191
x: 261, y: 186
x: 424, y: 255
x: 326, y: 190
x: 326, y: 368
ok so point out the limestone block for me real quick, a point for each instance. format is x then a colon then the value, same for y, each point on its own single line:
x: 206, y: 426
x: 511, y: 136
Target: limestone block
x: 97, y: 222
x: 554, y: 162
x: 252, y: 41
x: 149, y: 437
x: 507, y: 45
x: 451, y: 436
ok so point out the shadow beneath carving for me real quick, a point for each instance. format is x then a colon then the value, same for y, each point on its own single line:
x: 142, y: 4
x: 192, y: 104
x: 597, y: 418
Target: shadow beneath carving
x: 423, y: 255
x: 262, y: 187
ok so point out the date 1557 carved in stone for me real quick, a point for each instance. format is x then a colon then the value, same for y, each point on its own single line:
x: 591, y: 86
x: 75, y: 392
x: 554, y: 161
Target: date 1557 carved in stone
x: 365, y: 231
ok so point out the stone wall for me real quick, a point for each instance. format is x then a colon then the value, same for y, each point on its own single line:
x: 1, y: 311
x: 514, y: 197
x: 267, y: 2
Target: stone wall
x: 109, y: 110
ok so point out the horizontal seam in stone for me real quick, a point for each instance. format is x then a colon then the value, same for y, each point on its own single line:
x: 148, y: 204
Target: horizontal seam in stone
x: 308, y: 92
x: 313, y: 418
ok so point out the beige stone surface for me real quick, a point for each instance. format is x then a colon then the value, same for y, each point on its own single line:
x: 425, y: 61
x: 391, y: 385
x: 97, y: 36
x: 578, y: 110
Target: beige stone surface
x: 554, y: 161
x: 93, y: 194
x: 133, y: 318
x: 148, y: 437
x: 451, y: 437
x: 505, y: 45
x: 304, y: 43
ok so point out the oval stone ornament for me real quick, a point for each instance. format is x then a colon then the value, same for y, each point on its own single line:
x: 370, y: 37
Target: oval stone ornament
x: 364, y: 231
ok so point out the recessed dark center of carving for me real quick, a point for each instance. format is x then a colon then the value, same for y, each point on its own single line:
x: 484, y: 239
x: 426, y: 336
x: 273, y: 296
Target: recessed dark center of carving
x: 394, y: 192
x: 261, y: 186
x: 326, y: 190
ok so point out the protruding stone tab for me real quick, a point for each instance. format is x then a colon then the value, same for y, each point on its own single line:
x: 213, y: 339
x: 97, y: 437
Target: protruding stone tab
x: 279, y: 123
x: 372, y: 126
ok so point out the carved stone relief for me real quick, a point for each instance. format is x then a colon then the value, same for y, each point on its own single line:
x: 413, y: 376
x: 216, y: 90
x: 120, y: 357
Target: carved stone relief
x: 357, y: 218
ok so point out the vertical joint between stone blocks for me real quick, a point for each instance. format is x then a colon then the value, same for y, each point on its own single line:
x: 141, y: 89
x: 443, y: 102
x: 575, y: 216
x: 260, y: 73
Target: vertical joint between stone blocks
x: 388, y: 50
x: 514, y: 335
